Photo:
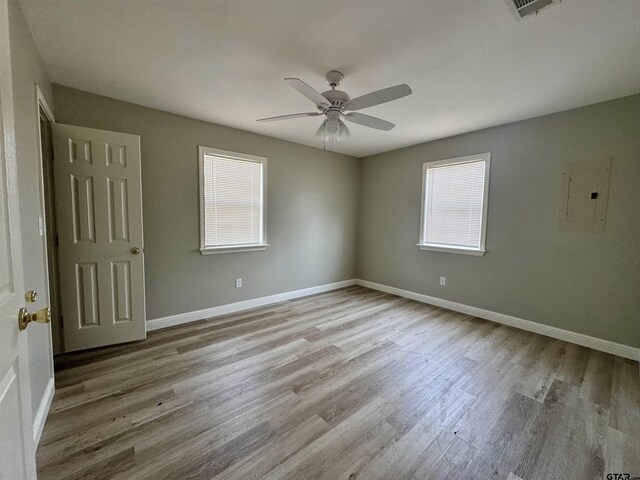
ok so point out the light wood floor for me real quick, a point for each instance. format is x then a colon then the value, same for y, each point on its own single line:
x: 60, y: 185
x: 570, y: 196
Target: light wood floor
x: 351, y: 384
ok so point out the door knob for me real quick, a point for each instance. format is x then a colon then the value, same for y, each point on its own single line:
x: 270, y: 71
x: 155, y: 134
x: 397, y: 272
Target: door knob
x: 25, y: 318
x: 135, y: 250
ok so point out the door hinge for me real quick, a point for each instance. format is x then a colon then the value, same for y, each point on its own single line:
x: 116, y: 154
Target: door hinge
x: 56, y: 241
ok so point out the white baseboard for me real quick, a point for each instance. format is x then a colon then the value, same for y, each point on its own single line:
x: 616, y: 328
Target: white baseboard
x: 578, y: 338
x: 43, y: 410
x: 619, y: 349
x: 181, y: 318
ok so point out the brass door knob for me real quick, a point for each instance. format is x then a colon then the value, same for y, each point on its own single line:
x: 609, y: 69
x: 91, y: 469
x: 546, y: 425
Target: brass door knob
x: 135, y: 250
x: 41, y: 316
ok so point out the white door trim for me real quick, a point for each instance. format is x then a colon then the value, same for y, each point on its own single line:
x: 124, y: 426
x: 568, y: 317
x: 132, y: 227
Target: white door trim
x: 45, y: 401
x: 42, y: 102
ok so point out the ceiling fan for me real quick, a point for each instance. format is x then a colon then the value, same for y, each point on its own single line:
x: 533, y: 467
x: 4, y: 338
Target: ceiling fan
x: 336, y: 104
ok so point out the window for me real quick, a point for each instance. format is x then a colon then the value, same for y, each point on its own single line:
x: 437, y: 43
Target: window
x: 454, y: 205
x: 232, y: 201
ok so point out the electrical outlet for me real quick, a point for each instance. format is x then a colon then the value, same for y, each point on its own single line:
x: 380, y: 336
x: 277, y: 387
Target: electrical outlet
x: 238, y: 283
x: 443, y: 281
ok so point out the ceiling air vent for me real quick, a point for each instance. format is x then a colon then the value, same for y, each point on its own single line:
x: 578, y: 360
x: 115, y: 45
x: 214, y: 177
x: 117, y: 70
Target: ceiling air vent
x: 524, y: 8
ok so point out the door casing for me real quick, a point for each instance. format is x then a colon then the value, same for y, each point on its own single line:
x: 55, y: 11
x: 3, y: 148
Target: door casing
x: 47, y: 220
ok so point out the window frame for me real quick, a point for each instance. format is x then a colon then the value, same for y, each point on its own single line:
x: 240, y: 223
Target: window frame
x: 207, y: 250
x: 435, y: 247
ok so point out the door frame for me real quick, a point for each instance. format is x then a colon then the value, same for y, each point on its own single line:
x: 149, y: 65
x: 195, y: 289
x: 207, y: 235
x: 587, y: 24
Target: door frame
x: 45, y: 403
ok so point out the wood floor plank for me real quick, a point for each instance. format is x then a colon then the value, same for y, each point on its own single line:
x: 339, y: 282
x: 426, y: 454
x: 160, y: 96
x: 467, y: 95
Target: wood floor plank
x: 500, y: 449
x: 625, y: 399
x: 598, y: 378
x: 447, y: 457
x: 350, y: 384
x: 622, y: 452
x: 265, y: 459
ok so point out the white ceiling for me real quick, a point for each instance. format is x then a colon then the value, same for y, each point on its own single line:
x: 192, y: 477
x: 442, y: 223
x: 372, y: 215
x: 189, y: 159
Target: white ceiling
x: 470, y: 63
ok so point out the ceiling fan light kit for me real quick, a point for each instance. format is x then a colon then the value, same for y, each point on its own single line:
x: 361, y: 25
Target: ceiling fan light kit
x: 329, y: 129
x: 336, y: 105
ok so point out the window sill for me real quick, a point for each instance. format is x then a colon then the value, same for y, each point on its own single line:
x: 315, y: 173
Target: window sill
x: 462, y: 250
x: 233, y: 249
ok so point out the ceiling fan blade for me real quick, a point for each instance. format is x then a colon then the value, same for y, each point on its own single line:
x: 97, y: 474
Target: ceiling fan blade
x: 378, y: 97
x: 369, y: 121
x: 308, y: 91
x: 286, y: 117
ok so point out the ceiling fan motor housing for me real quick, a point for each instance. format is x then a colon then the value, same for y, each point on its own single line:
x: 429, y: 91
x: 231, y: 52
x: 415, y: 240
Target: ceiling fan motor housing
x: 337, y: 98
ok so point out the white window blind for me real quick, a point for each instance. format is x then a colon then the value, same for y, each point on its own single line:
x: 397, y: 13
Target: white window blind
x: 454, y: 203
x: 232, y: 201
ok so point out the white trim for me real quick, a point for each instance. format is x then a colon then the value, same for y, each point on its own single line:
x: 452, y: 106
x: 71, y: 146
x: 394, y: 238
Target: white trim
x: 204, y: 150
x: 43, y: 410
x: 234, y: 248
x: 621, y: 350
x: 181, y: 318
x: 438, y: 248
x: 533, y: 14
x: 607, y: 346
x: 42, y: 101
x: 45, y: 402
x: 486, y: 158
x: 229, y: 154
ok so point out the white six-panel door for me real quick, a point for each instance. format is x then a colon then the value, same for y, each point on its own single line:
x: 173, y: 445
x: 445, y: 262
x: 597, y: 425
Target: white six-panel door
x: 17, y: 456
x: 99, y: 214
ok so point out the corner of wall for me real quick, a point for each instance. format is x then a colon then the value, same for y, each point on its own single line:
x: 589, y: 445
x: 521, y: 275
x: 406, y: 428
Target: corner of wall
x: 359, y: 222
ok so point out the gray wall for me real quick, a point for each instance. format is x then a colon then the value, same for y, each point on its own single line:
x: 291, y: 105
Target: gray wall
x: 311, y: 208
x: 27, y: 70
x: 587, y: 283
x: 584, y: 282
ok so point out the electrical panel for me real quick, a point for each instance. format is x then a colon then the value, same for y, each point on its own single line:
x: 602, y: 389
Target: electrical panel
x: 583, y: 196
